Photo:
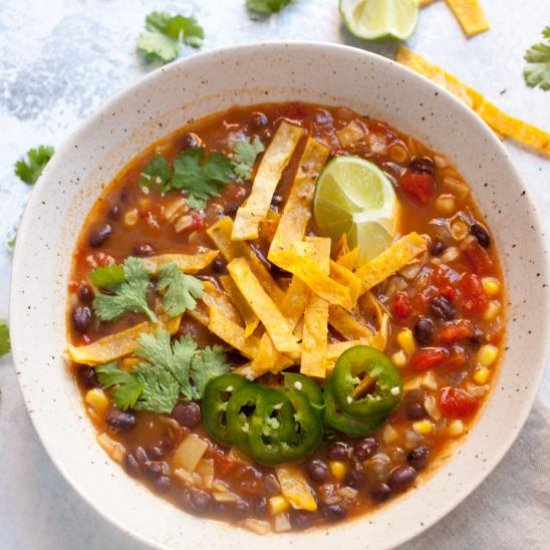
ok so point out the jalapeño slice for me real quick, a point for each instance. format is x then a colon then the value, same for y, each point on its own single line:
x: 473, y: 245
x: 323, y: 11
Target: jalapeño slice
x: 306, y: 386
x: 365, y: 383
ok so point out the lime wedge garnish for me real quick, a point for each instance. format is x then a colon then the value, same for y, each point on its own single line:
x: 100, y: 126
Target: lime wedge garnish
x: 354, y: 196
x: 380, y: 19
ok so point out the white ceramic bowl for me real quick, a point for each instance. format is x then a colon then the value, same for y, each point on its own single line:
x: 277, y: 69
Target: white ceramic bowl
x: 210, y: 82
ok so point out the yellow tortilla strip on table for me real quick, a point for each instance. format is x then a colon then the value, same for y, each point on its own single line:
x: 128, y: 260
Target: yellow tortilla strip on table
x: 263, y: 305
x: 297, y: 211
x: 350, y: 134
x: 295, y: 488
x: 394, y: 258
x: 251, y: 320
x: 315, y: 325
x: 346, y: 278
x: 232, y: 333
x: 503, y: 124
x: 275, y: 160
x: 188, y: 263
x: 470, y: 15
x: 220, y: 233
x: 349, y: 260
x: 346, y: 325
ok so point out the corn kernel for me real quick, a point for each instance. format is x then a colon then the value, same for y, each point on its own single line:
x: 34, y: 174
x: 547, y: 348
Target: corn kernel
x: 459, y: 230
x: 278, y: 504
x: 98, y: 401
x: 455, y: 428
x: 338, y: 469
x: 493, y: 309
x: 423, y: 427
x: 445, y: 203
x: 487, y: 355
x: 399, y: 359
x: 405, y: 339
x: 131, y: 217
x: 481, y: 375
x: 491, y: 285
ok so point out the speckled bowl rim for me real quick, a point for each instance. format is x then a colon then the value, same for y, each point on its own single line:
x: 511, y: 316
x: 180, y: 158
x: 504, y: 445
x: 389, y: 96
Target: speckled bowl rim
x: 23, y: 314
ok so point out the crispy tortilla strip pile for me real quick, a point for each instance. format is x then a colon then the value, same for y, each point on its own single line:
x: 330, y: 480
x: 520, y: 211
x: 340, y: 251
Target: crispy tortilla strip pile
x: 470, y: 15
x: 504, y: 125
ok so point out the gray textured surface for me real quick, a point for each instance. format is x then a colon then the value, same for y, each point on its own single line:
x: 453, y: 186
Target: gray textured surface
x: 62, y: 58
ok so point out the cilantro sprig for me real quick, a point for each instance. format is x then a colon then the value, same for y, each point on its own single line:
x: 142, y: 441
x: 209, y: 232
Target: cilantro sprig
x: 537, y: 69
x: 29, y: 168
x: 169, y: 370
x: 266, y: 6
x: 5, y: 345
x: 181, y: 291
x: 245, y: 153
x: 164, y: 34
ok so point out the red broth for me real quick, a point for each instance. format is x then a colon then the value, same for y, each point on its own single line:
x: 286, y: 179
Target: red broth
x: 445, y: 310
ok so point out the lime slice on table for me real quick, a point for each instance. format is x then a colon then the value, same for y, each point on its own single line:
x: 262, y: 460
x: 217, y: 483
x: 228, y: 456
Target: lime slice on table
x: 379, y: 19
x: 355, y: 197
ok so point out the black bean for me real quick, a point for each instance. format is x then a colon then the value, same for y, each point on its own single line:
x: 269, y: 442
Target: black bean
x: 418, y: 457
x: 277, y: 200
x: 480, y: 233
x: 317, y: 470
x: 259, y: 507
x: 85, y: 294
x: 365, y: 447
x: 188, y: 140
x: 334, y: 512
x: 478, y: 337
x: 143, y: 250
x: 82, y: 318
x: 120, y: 422
x: 442, y: 308
x: 423, y: 330
x: 141, y: 455
x: 355, y: 479
x: 300, y: 519
x: 167, y: 443
x: 187, y: 414
x: 163, y: 484
x: 88, y: 377
x: 422, y: 164
x: 337, y: 450
x: 200, y: 501
x: 415, y: 410
x: 257, y: 121
x: 231, y: 208
x: 131, y: 465
x: 156, y: 451
x: 153, y: 469
x: 401, y: 477
x: 114, y: 213
x: 380, y: 492
x: 277, y: 272
x: 240, y: 509
x: 219, y: 266
x: 437, y: 248
x: 99, y: 235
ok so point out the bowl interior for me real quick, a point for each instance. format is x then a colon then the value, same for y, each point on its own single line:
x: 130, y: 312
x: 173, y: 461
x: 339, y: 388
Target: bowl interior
x: 211, y: 82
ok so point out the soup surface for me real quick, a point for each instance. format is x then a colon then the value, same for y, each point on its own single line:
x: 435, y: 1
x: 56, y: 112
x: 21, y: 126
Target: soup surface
x: 284, y: 315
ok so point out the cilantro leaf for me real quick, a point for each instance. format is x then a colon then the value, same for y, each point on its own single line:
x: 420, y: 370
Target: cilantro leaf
x: 164, y: 34
x: 208, y: 363
x: 202, y: 177
x: 11, y: 242
x: 180, y: 290
x: 29, y: 169
x: 160, y: 389
x: 5, y: 345
x: 266, y: 6
x: 195, y: 203
x: 125, y: 386
x: 245, y: 153
x: 108, y: 276
x: 130, y: 295
x: 537, y: 69
x: 158, y: 171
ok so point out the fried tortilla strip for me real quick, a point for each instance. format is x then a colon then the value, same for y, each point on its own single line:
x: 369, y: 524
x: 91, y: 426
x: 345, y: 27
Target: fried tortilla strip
x: 275, y: 160
x: 470, y: 16
x: 295, y: 488
x: 504, y: 125
x: 188, y: 263
x: 215, y: 298
x: 262, y: 305
x: 220, y: 233
x: 351, y: 133
x: 347, y: 326
x: 349, y: 259
x: 251, y: 320
x: 394, y: 258
x: 297, y: 210
x: 346, y: 278
x: 315, y: 327
x: 233, y: 334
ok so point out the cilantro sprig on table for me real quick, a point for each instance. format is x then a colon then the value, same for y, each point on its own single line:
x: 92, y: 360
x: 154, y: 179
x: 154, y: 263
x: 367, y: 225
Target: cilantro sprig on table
x: 169, y: 370
x: 266, y: 6
x: 5, y: 345
x: 164, y: 34
x: 537, y: 69
x: 29, y: 168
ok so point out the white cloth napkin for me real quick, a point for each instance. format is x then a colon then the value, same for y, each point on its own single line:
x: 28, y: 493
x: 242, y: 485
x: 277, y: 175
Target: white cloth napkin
x: 511, y: 509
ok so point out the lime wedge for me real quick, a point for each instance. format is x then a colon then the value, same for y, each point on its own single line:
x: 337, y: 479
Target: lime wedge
x: 354, y: 196
x: 380, y: 19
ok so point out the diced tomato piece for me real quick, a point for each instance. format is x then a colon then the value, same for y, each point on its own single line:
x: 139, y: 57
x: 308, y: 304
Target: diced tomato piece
x: 456, y: 403
x: 472, y: 295
x: 456, y: 331
x: 449, y: 293
x: 478, y: 257
x: 420, y: 187
x: 401, y: 304
x: 73, y: 286
x: 428, y: 358
x: 222, y: 463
